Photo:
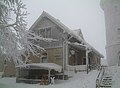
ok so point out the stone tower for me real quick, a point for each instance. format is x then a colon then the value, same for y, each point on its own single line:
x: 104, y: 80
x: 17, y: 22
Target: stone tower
x: 111, y: 10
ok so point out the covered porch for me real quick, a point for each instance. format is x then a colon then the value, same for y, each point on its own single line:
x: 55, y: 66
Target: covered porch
x: 80, y: 58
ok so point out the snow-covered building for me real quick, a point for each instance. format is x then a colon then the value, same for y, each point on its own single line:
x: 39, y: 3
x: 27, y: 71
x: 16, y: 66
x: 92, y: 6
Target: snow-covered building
x: 111, y: 10
x: 70, y: 50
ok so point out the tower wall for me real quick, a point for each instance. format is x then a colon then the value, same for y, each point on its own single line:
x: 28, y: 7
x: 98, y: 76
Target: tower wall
x: 111, y: 10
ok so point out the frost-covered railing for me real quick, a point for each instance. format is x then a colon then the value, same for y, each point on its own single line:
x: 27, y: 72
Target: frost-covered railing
x: 76, y: 68
x: 100, y: 77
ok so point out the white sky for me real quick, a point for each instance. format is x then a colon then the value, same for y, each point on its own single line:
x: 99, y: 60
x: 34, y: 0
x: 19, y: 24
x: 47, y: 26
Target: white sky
x: 84, y: 14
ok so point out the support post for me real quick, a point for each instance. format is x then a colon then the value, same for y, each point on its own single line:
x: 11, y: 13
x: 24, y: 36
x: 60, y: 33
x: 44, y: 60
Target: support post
x: 87, y: 59
x: 49, y: 75
x: 64, y: 49
x: 66, y: 53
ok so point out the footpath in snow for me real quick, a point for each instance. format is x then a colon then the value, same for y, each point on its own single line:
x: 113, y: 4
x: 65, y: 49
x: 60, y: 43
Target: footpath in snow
x: 79, y: 80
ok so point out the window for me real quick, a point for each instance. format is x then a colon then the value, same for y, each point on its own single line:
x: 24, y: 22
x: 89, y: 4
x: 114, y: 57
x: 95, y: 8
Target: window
x: 42, y: 32
x: 46, y: 32
x: 44, y: 58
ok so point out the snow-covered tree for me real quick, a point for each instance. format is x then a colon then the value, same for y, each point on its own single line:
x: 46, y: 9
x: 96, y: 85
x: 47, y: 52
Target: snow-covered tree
x: 15, y: 39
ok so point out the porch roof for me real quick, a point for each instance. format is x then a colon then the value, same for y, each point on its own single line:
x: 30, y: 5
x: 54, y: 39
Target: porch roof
x: 83, y: 48
x: 77, y: 46
x: 46, y: 66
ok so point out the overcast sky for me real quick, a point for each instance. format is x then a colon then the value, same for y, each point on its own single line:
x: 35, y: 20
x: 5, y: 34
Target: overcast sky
x: 84, y: 14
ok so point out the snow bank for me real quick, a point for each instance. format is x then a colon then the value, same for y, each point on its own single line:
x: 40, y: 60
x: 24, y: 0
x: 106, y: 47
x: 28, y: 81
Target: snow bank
x: 79, y: 80
x: 116, y: 77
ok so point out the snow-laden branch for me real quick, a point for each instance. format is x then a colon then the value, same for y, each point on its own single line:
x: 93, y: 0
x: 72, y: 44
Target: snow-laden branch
x: 33, y: 36
x: 16, y: 41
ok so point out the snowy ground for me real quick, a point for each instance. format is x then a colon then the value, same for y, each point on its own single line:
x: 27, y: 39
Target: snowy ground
x: 79, y: 80
x: 116, y: 77
x: 114, y: 71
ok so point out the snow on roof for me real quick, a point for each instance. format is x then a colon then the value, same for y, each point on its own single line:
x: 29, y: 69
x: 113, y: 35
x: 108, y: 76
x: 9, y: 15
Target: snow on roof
x: 90, y: 47
x: 47, y: 66
x: 78, y: 33
x: 66, y: 29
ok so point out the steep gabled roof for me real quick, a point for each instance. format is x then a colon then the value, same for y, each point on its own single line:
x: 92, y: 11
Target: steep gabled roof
x: 57, y: 22
x: 65, y: 28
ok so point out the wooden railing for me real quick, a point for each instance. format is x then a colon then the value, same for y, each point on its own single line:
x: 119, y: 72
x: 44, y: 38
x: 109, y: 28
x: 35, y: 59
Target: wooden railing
x: 100, y: 77
x: 77, y: 68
